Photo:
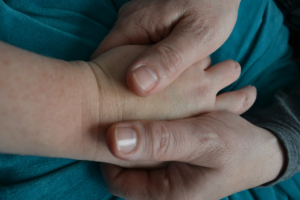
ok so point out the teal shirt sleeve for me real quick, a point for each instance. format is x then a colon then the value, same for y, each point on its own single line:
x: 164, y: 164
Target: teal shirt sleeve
x: 72, y: 30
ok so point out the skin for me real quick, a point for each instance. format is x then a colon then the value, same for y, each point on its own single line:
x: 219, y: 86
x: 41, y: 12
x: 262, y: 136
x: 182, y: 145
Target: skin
x: 52, y: 125
x: 183, y: 33
x: 210, y: 157
x: 54, y: 108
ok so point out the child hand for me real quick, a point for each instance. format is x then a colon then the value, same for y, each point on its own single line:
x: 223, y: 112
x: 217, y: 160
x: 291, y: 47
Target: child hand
x: 193, y: 93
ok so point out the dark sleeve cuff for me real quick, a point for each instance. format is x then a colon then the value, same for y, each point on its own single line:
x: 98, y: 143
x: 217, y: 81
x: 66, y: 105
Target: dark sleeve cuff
x: 290, y: 145
x: 282, y: 118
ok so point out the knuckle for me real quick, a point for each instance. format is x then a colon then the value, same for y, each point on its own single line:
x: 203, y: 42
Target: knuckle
x: 235, y: 66
x: 161, y: 187
x: 231, y: 71
x: 205, y: 95
x: 244, y: 102
x: 215, y: 140
x: 202, y: 32
x: 203, y: 91
x: 158, y: 29
x: 162, y: 140
x: 171, y: 59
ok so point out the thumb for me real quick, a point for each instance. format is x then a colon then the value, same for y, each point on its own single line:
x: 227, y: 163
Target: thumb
x: 156, y: 141
x: 161, y: 64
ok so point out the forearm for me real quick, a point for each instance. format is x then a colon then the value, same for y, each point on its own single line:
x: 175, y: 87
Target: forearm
x: 43, y: 103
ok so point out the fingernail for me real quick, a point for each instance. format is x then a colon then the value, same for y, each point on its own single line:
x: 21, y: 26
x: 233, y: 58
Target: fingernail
x: 126, y: 139
x: 145, y: 77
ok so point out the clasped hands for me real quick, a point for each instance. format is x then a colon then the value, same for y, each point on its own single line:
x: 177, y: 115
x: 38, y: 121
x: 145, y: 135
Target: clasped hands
x: 204, y: 150
x: 208, y: 151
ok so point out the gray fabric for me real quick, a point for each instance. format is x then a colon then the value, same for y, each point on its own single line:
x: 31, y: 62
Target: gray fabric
x: 282, y: 117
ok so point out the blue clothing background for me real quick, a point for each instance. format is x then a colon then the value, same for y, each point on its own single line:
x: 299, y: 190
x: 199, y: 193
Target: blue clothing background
x: 72, y: 30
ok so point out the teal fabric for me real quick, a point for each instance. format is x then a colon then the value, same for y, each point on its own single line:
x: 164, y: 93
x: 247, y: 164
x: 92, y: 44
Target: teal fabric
x: 72, y: 30
x: 259, y: 43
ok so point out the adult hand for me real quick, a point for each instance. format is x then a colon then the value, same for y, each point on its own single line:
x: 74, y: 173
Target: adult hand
x: 184, y: 32
x: 214, y: 155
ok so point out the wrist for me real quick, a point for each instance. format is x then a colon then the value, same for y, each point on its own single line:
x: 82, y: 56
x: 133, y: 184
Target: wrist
x: 91, y: 131
x: 89, y: 94
x: 274, y: 161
